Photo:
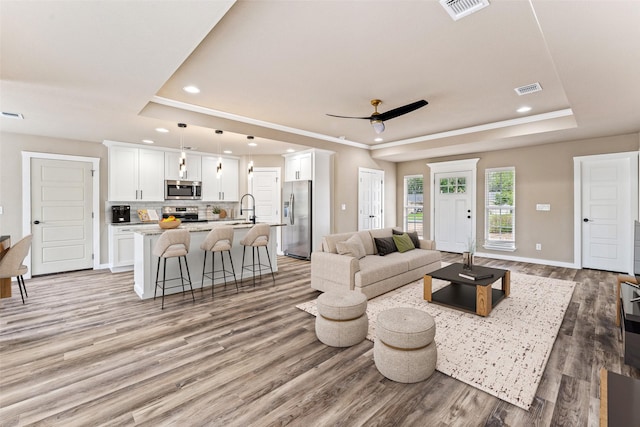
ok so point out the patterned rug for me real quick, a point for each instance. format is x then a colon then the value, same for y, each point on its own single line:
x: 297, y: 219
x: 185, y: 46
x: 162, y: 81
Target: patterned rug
x: 503, y: 354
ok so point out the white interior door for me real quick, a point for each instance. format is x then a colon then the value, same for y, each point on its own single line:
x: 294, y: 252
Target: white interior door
x: 61, y: 215
x: 370, y: 199
x: 454, y: 212
x: 606, y: 214
x: 265, y: 187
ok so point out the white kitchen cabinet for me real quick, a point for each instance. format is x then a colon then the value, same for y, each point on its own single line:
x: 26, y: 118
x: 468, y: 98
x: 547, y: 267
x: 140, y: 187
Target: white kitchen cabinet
x: 298, y: 166
x: 121, y: 248
x: 225, y: 188
x: 135, y: 174
x: 172, y: 169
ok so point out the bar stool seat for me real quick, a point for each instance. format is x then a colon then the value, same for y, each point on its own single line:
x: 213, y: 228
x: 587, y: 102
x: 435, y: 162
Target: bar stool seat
x: 172, y: 244
x: 256, y: 238
x: 220, y: 240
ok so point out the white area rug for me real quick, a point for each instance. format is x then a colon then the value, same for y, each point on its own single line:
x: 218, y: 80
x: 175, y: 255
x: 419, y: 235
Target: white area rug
x: 503, y: 354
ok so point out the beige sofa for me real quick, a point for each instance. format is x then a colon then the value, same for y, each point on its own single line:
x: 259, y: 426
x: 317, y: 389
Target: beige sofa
x: 372, y: 275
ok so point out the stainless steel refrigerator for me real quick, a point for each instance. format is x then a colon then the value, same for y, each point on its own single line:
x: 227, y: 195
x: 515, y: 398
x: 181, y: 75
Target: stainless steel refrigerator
x: 296, y: 214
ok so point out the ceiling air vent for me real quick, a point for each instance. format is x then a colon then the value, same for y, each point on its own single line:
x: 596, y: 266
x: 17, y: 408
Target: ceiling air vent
x: 527, y: 89
x: 12, y: 115
x: 460, y: 8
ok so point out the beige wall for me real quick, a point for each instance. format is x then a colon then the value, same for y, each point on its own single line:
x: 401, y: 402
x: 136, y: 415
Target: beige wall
x: 544, y: 174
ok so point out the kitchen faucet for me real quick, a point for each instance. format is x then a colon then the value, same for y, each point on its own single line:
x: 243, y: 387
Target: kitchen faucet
x: 253, y: 217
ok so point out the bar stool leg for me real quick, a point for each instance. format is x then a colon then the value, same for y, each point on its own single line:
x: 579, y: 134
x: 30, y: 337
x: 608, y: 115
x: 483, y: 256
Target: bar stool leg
x: 253, y: 252
x: 164, y: 276
x: 20, y: 288
x: 233, y: 270
x: 244, y: 250
x: 186, y: 264
x: 270, y: 266
x: 224, y: 270
x: 204, y: 263
x: 155, y: 290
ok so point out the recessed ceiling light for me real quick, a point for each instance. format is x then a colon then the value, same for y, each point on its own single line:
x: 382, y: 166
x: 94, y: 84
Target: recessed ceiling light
x: 147, y: 141
x: 291, y: 150
x: 227, y: 151
x: 191, y: 89
x: 523, y: 109
x: 378, y: 139
x: 162, y: 130
x: 252, y: 144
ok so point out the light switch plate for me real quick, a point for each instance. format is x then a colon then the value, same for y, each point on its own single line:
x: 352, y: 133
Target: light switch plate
x: 1, y: 210
x: 343, y: 207
x: 543, y: 207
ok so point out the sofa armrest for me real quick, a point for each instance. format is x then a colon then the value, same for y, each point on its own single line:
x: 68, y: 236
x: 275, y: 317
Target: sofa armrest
x: 334, y: 269
x: 427, y: 244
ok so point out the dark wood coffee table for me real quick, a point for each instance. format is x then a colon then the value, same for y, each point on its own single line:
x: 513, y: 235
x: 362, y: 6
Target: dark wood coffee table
x: 476, y: 296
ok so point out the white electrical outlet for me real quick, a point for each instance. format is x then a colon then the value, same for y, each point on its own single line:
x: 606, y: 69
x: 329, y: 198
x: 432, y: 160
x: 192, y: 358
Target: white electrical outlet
x: 538, y: 246
x: 1, y: 210
x: 343, y: 207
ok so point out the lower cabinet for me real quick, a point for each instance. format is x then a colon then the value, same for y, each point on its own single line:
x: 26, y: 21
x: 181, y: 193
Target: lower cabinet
x: 120, y: 248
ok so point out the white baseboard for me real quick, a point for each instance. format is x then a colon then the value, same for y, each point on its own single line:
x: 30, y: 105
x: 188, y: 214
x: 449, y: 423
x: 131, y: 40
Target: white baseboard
x: 529, y: 260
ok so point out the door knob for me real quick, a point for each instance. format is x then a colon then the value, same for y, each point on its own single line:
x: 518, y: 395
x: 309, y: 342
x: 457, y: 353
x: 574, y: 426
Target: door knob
x: 586, y: 220
x: 36, y: 222
x: 469, y: 216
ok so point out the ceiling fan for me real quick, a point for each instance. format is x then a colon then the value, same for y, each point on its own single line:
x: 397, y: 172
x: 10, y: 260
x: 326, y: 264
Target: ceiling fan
x: 377, y: 119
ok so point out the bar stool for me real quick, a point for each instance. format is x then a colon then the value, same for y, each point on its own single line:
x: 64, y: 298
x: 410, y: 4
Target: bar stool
x: 172, y: 244
x: 257, y: 237
x: 220, y: 240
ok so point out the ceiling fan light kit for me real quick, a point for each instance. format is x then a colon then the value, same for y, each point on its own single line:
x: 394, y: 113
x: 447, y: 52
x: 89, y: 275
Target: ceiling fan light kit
x: 377, y: 119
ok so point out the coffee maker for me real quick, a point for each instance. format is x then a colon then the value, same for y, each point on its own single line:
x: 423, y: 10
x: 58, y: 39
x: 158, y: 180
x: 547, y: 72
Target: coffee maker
x: 120, y: 214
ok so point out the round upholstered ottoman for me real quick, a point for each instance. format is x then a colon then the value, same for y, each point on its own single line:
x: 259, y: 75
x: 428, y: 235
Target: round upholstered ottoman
x: 342, y: 320
x: 404, y: 350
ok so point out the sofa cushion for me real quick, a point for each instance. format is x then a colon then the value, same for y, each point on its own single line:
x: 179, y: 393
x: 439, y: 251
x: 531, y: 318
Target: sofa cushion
x: 367, y: 241
x: 413, y: 235
x: 352, y: 247
x: 374, y: 268
x: 385, y: 245
x: 420, y: 258
x: 403, y: 242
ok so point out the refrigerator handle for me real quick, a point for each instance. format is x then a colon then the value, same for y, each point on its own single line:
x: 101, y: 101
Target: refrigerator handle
x: 293, y: 209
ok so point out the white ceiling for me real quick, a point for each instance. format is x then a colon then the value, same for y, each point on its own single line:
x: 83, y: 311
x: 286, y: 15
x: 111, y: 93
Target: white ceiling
x: 105, y: 70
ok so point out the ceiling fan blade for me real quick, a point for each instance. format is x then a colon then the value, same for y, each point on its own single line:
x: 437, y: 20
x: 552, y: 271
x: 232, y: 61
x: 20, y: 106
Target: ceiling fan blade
x: 401, y: 110
x: 349, y: 117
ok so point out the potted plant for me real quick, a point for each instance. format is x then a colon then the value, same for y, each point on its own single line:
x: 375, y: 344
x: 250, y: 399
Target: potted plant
x: 467, y: 257
x: 215, y: 213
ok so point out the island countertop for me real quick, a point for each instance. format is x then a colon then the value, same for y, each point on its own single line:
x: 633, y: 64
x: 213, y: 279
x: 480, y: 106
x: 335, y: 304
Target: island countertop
x: 145, y: 264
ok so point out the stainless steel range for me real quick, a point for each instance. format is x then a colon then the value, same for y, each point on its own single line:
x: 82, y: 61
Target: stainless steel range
x: 183, y: 213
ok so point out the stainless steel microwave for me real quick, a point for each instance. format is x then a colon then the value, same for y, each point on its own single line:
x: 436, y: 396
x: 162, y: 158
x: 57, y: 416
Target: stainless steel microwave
x: 182, y: 190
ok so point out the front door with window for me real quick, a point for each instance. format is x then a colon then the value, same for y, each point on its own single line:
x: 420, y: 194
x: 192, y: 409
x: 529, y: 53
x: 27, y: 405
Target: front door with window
x: 453, y: 211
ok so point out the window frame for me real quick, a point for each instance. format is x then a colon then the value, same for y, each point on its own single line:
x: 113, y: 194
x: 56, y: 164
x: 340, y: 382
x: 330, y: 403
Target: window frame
x: 499, y: 244
x: 406, y: 207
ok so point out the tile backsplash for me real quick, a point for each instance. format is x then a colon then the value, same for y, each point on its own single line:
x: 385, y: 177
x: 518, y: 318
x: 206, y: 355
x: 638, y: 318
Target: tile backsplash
x: 204, y: 208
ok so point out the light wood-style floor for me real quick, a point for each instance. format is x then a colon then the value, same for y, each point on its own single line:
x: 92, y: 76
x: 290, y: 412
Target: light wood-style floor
x: 85, y: 351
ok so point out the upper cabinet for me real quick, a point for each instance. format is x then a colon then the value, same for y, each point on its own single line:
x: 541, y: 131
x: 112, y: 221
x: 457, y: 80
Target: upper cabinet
x: 224, y: 188
x: 298, y: 166
x: 135, y: 174
x: 172, y: 170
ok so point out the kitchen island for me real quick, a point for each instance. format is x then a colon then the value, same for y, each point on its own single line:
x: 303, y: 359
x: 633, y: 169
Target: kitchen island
x: 145, y: 264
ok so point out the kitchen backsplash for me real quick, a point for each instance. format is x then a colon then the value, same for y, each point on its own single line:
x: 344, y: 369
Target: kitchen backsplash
x: 204, y: 208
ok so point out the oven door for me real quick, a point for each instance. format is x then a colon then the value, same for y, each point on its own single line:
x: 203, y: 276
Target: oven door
x: 182, y: 190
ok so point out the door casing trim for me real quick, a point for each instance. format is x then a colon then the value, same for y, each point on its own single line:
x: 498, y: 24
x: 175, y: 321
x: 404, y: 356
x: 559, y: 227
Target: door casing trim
x: 452, y: 166
x: 634, y: 196
x: 26, y: 197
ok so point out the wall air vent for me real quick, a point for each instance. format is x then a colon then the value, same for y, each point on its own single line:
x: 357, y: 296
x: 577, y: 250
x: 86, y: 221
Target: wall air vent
x: 460, y: 8
x: 527, y: 89
x: 12, y: 115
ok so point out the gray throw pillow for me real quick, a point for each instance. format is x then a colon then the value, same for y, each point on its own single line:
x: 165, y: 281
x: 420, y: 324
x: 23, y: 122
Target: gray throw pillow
x: 385, y: 245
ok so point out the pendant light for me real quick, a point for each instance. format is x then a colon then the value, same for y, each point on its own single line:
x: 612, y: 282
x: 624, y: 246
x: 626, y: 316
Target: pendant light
x: 219, y: 165
x: 250, y: 169
x: 182, y: 161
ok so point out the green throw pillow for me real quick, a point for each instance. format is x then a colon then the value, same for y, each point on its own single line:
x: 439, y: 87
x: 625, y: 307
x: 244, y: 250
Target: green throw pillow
x: 403, y: 242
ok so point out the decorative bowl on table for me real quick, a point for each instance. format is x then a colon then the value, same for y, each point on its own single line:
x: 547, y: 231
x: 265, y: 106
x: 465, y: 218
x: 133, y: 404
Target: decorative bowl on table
x: 169, y: 224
